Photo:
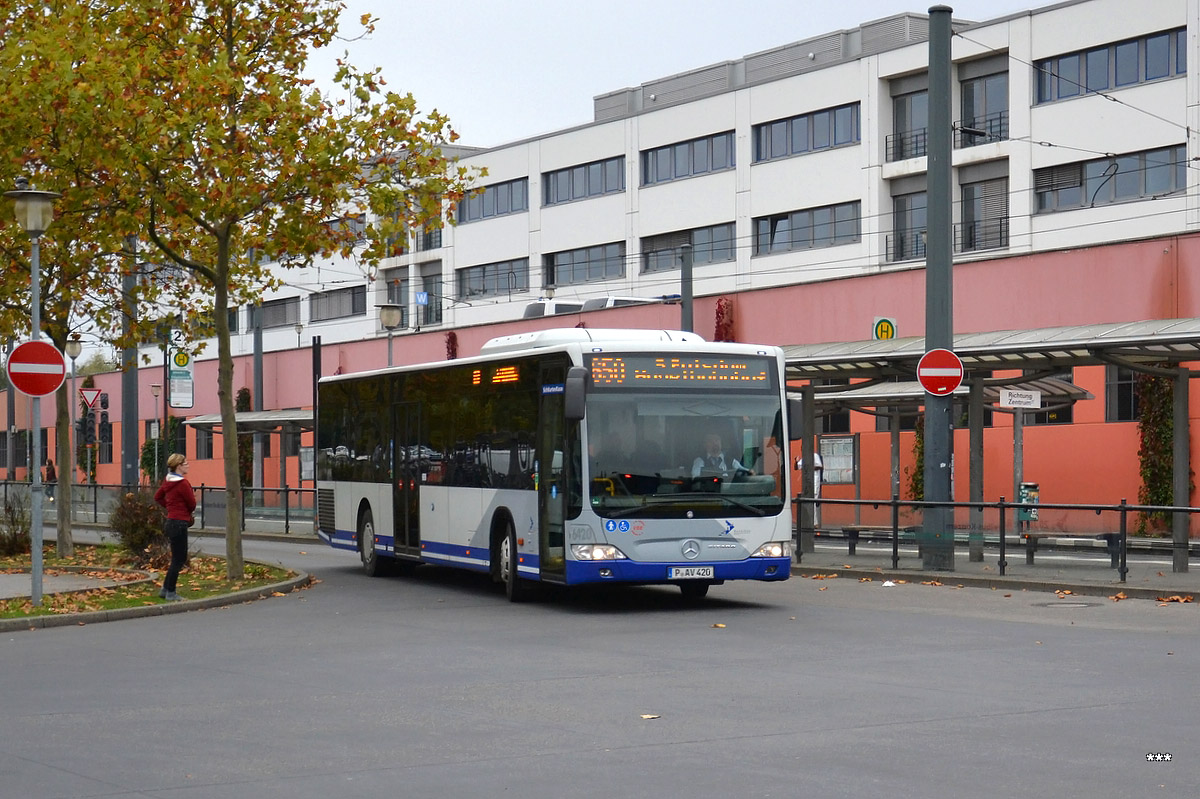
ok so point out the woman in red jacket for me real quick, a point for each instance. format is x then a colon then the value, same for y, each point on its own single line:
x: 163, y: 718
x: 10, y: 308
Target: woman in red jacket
x: 176, y: 495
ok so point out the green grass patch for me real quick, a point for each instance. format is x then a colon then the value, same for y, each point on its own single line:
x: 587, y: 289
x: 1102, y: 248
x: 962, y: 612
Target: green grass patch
x: 202, y: 577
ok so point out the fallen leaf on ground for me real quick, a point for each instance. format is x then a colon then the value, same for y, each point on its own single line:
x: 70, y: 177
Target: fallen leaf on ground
x: 1175, y: 598
x: 651, y: 716
x: 930, y: 582
x: 864, y: 579
x: 1117, y: 597
x: 719, y: 626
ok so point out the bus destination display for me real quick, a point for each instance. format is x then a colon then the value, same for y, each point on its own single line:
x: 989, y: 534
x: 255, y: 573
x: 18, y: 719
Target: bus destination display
x: 713, y: 372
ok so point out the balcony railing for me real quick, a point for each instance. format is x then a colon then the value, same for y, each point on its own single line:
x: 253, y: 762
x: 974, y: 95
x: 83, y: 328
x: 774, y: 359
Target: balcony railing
x: 906, y: 245
x: 986, y: 234
x: 910, y: 144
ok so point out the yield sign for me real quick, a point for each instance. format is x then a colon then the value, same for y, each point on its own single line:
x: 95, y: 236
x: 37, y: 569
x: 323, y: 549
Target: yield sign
x: 90, y: 395
x: 940, y: 372
x: 36, y: 368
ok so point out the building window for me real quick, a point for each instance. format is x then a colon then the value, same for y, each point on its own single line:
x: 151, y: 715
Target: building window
x: 289, y: 443
x: 489, y: 280
x: 204, y: 444
x: 338, y: 304
x: 984, y: 110
x: 910, y: 123
x: 808, y: 229
x: 279, y: 313
x: 1135, y: 176
x: 396, y: 242
x: 396, y: 284
x: 710, y: 245
x: 1120, y: 394
x: 837, y: 421
x: 586, y: 180
x: 233, y: 320
x: 909, y: 220
x: 1061, y: 415
x: 498, y: 199
x: 820, y: 130
x: 984, y: 223
x: 353, y: 224
x: 1128, y: 63
x: 429, y: 239
x: 587, y: 265
x: 685, y: 159
x: 431, y: 285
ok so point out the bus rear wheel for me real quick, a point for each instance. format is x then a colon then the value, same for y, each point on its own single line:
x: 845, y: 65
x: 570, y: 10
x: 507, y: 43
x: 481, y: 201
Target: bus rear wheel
x: 514, y: 587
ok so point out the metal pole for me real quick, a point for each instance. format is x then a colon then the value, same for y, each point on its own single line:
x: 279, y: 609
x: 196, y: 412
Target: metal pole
x: 72, y: 443
x: 938, y: 529
x: 166, y: 393
x: 1180, y: 521
x: 389, y: 346
x: 685, y: 288
x: 975, y: 422
x: 36, y: 531
x: 130, y: 453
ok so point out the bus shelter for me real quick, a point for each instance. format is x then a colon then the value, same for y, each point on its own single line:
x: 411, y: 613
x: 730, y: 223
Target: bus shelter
x: 280, y: 423
x: 884, y: 376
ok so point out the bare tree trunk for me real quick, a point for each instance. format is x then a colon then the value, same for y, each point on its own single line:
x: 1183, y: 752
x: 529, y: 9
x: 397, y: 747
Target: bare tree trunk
x: 234, y: 563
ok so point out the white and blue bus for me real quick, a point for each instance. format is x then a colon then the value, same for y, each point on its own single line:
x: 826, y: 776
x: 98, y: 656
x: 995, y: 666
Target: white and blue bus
x: 564, y: 457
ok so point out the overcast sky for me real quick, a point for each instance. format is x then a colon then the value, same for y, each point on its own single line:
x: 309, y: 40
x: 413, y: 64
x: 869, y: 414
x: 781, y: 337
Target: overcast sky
x: 504, y: 70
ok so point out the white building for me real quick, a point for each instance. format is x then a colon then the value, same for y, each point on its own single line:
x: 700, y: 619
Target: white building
x: 804, y: 163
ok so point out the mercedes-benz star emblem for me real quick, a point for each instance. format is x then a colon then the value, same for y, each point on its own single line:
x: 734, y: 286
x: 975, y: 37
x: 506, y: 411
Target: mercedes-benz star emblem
x: 690, y: 549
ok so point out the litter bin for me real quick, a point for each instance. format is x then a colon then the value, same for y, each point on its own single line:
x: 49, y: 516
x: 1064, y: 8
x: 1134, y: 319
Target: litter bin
x: 1028, y: 496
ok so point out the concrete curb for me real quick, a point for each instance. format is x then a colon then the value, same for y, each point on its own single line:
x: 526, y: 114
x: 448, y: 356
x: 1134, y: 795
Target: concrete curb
x: 163, y: 609
x: 1076, y: 587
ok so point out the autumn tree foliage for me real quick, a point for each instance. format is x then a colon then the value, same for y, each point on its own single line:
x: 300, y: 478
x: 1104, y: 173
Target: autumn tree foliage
x: 191, y: 127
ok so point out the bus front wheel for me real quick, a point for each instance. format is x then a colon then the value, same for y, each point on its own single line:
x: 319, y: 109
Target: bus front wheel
x: 694, y: 591
x: 514, y: 587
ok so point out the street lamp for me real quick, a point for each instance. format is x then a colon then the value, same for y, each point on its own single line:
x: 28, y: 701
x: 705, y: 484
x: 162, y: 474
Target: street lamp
x: 299, y: 330
x: 156, y: 389
x: 35, y: 212
x: 74, y: 348
x: 390, y: 317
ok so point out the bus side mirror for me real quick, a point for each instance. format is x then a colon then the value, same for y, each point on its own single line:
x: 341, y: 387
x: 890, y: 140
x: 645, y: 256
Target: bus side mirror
x: 574, y: 393
x: 795, y: 420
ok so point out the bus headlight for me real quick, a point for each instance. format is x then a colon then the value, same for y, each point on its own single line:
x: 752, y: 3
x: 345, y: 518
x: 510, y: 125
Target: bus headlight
x: 596, y: 552
x: 774, y: 549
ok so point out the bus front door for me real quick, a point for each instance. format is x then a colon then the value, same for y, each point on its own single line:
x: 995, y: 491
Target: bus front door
x: 406, y: 487
x: 553, y: 477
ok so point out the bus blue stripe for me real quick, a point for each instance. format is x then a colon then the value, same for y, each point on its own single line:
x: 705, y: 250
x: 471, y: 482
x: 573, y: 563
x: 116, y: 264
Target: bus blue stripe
x: 627, y: 571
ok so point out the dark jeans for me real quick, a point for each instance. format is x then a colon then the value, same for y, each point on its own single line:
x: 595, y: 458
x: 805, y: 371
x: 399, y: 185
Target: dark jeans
x: 177, y: 534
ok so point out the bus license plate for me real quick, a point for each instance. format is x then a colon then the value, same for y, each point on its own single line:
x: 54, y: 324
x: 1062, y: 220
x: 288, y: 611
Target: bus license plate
x: 689, y: 572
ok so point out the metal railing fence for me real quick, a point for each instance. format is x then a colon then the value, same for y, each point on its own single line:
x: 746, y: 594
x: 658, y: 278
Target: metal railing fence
x: 273, y: 510
x: 1002, y: 514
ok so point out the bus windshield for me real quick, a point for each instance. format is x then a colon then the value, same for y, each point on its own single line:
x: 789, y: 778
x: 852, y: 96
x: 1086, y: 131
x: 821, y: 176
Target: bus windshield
x: 672, y: 454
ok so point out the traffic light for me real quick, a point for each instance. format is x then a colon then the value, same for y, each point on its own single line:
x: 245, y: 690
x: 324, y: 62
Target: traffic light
x: 89, y: 429
x: 104, y: 402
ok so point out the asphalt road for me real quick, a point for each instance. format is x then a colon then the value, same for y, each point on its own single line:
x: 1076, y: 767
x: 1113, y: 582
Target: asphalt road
x: 434, y: 686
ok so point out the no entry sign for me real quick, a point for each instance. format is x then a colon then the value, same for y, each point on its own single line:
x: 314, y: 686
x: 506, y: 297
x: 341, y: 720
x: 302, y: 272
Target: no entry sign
x: 36, y: 368
x: 940, y: 372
